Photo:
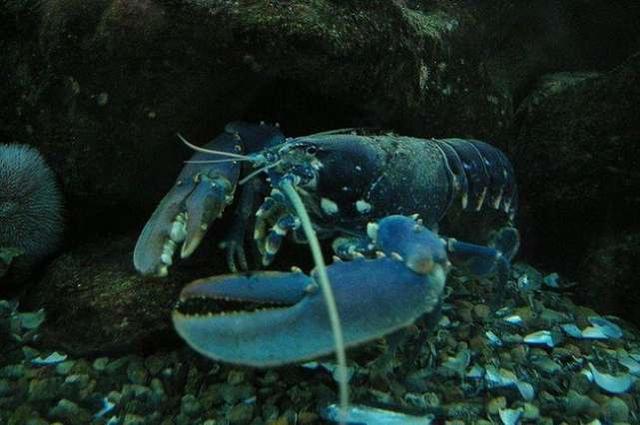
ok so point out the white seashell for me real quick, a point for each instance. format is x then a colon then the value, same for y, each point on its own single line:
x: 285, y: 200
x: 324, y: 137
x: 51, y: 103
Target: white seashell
x: 51, y: 359
x: 31, y: 320
x: 476, y: 372
x: 607, y: 327
x: 494, y: 339
x: 499, y: 378
x: 365, y: 415
x: 540, y: 338
x: 526, y: 390
x: 593, y: 332
x: 630, y: 363
x: 510, y: 416
x: 107, y: 407
x: 458, y: 363
x: 514, y: 320
x: 572, y: 330
x: 610, y: 383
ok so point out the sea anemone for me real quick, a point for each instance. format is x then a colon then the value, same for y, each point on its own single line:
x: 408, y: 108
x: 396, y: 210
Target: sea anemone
x: 30, y: 205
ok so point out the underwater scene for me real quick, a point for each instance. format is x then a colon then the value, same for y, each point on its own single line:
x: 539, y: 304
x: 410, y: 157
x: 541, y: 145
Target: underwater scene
x: 299, y: 212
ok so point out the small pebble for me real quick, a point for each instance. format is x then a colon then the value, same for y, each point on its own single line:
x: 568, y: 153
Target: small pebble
x: 616, y: 410
x: 481, y: 312
x: 578, y: 404
x: 65, y: 367
x: 137, y: 373
x: 30, y: 353
x: 5, y: 387
x: 154, y: 364
x: 70, y: 413
x: 307, y: 418
x: 115, y: 366
x: 190, y: 406
x: 131, y: 419
x: 496, y: 404
x: 235, y: 377
x: 102, y: 99
x: 73, y: 386
x: 240, y: 414
x: 44, y: 389
x: 530, y: 412
x: 12, y: 372
x: 100, y: 364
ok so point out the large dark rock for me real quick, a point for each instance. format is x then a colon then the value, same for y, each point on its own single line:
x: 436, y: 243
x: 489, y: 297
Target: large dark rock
x: 577, y: 159
x: 609, y: 276
x: 95, y: 302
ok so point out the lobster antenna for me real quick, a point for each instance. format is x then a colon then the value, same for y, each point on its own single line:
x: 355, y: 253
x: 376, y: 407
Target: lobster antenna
x: 213, y: 151
x: 323, y: 279
x: 347, y: 130
x: 258, y: 171
x: 213, y: 161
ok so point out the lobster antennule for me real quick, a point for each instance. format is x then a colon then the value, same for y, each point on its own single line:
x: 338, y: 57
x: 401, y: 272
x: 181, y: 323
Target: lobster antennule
x: 325, y: 285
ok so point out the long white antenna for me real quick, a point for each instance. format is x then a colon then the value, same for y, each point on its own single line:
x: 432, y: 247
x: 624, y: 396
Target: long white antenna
x: 212, y: 151
x: 213, y: 161
x: 330, y: 300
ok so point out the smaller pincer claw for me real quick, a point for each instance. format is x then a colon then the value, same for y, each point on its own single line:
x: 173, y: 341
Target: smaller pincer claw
x: 199, y: 196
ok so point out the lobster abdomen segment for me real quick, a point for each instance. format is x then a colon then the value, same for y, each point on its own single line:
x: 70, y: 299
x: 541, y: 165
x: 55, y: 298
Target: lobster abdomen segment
x: 482, y: 174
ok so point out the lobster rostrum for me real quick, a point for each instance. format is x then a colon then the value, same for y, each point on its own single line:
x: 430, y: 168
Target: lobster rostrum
x: 382, y: 199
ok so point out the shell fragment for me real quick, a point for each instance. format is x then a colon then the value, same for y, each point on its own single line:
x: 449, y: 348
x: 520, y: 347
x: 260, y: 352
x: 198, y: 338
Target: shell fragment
x: 365, y: 415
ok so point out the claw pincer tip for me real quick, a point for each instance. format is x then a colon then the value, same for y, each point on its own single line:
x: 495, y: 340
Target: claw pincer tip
x: 419, y: 248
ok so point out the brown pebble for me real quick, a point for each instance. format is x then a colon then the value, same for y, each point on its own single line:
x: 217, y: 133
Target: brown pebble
x: 481, y: 312
x: 496, y: 404
x: 465, y: 315
x: 531, y: 412
x: 519, y: 353
x: 464, y: 332
x: 478, y: 343
x: 616, y: 410
x: 307, y: 418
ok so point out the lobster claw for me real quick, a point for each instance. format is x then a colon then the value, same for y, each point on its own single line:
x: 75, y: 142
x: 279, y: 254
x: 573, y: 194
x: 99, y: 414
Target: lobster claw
x: 270, y: 318
x: 200, y: 194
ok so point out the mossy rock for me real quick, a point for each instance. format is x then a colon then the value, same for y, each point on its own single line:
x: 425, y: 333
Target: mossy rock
x: 576, y: 160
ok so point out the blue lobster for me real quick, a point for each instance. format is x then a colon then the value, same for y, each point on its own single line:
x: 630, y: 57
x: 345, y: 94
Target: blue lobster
x: 383, y: 196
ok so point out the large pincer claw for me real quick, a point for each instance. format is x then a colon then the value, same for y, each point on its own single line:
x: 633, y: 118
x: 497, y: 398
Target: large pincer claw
x: 271, y: 318
x: 200, y: 194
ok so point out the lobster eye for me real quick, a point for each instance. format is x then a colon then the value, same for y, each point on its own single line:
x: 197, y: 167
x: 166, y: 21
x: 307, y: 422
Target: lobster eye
x: 311, y: 150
